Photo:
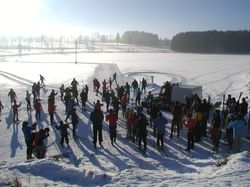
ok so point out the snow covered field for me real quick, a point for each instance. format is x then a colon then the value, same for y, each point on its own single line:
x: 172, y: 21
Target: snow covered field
x: 122, y: 165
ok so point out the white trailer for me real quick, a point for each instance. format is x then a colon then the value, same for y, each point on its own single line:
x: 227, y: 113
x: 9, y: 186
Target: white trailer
x: 180, y: 91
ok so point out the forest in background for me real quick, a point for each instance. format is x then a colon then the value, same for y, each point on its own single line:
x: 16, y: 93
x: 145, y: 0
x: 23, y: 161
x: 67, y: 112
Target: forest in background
x: 193, y: 42
x: 212, y: 42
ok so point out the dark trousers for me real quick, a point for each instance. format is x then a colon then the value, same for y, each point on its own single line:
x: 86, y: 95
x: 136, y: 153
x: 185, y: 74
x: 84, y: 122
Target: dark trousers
x: 29, y: 149
x: 197, y: 135
x: 190, y: 138
x: 66, y: 138
x: 74, y: 126
x: 175, y: 123
x: 112, y: 132
x: 40, y: 151
x: 97, y: 129
x: 204, y: 125
x: 144, y: 139
x: 28, y: 104
x: 160, y: 139
x: 38, y: 115
x: 51, y: 115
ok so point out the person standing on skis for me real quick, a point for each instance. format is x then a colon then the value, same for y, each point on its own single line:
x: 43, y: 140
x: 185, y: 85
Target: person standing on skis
x: 12, y: 95
x: 15, y: 107
x: 112, y: 118
x: 97, y: 119
x: 64, y: 133
x: 42, y: 79
x: 160, y: 123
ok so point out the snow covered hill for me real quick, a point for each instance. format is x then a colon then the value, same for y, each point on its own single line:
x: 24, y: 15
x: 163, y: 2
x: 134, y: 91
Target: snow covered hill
x: 122, y: 165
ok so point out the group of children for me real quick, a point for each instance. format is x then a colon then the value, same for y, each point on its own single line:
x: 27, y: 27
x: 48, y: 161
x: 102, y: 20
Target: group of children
x: 193, y: 114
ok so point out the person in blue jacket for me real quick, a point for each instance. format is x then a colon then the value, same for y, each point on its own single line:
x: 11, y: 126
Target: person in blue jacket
x: 28, y: 138
x: 238, y: 131
x: 160, y: 123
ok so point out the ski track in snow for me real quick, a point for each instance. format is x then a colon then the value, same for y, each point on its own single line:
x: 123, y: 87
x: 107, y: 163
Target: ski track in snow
x: 16, y: 78
x: 175, y: 77
x: 217, y: 71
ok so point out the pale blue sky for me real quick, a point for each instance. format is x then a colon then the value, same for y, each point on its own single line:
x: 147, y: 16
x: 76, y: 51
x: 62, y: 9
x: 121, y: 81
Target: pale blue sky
x: 164, y: 17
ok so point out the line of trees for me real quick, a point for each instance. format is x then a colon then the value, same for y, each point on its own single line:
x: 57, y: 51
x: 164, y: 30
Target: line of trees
x: 142, y: 38
x: 212, y: 42
x: 48, y: 42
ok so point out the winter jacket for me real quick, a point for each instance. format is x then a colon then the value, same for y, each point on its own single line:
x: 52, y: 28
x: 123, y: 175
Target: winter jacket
x: 51, y: 107
x: 142, y: 124
x: 112, y: 119
x: 39, y: 137
x: 130, y: 119
x: 37, y: 106
x: 190, y: 124
x: 63, y: 128
x: 124, y: 101
x: 96, y: 117
x: 160, y: 123
x: 74, y: 118
x: 27, y: 134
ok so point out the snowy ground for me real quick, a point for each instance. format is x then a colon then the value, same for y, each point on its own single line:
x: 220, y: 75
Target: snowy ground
x: 122, y: 165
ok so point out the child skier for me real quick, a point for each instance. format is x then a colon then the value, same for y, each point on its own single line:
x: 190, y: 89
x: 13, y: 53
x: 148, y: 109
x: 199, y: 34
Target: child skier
x: 64, y: 133
x: 112, y: 119
x: 28, y: 95
x: 15, y: 107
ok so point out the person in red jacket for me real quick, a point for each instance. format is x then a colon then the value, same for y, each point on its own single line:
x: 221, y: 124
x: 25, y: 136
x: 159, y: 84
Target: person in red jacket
x: 38, y: 108
x: 190, y: 124
x: 38, y: 143
x: 51, y: 109
x: 112, y: 118
x: 124, y: 103
x: 98, y: 105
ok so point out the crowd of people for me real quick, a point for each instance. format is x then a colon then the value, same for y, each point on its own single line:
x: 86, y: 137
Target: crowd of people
x: 193, y: 115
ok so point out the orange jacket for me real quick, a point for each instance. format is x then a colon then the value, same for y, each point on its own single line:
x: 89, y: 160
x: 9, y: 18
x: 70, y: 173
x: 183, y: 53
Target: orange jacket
x: 112, y: 119
x: 51, y: 107
x: 190, y: 124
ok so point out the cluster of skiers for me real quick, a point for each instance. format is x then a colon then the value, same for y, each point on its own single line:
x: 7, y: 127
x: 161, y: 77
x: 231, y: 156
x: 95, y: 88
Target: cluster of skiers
x: 139, y: 115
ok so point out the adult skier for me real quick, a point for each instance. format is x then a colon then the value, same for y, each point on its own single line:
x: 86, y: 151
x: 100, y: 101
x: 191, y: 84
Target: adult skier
x: 135, y: 86
x: 160, y: 123
x: 27, y: 132
x: 12, y: 95
x: 142, y: 124
x: 97, y: 117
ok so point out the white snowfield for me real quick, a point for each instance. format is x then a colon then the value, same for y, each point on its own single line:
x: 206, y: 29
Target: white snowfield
x: 122, y: 165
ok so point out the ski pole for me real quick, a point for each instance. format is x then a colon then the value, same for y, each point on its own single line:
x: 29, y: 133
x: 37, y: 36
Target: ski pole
x: 55, y: 146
